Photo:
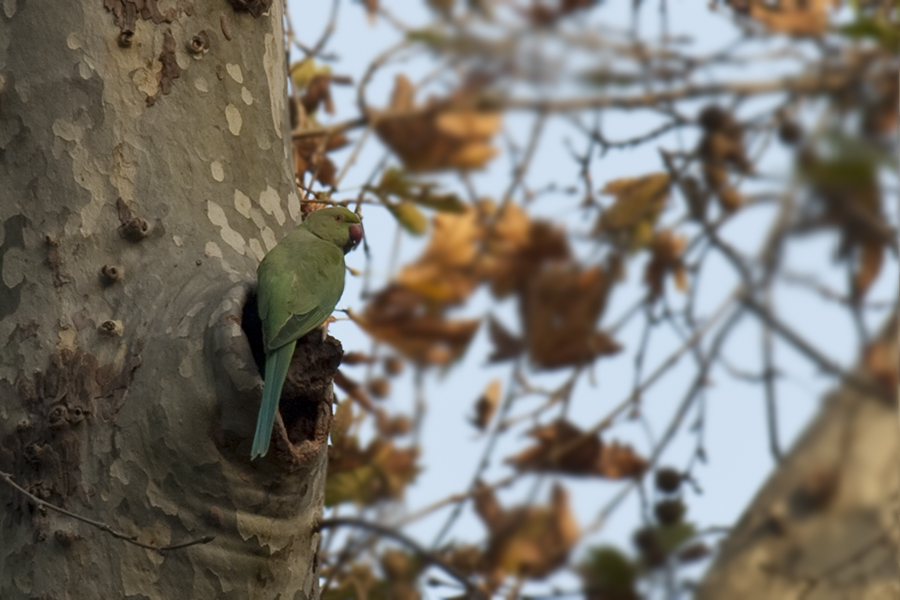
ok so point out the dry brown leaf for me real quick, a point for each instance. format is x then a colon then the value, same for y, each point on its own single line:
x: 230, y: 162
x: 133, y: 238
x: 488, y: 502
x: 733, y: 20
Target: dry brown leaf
x: 871, y: 257
x: 486, y: 405
x: 619, y: 461
x: 563, y: 448
x: 438, y: 136
x: 516, y: 247
x: 309, y: 157
x: 794, y: 17
x: 446, y: 272
x: 506, y: 345
x: 530, y: 541
x: 666, y: 259
x: 401, y: 317
x: 560, y: 309
x: 318, y: 91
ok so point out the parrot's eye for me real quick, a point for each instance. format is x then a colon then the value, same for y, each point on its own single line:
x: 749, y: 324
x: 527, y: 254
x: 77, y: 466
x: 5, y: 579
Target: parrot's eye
x: 338, y: 218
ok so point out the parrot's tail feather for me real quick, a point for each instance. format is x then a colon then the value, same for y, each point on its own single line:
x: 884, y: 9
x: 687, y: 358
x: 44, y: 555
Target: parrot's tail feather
x: 277, y: 364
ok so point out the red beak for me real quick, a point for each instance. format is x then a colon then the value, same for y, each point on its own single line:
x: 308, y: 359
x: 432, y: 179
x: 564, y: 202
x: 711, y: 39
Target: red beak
x: 356, y: 233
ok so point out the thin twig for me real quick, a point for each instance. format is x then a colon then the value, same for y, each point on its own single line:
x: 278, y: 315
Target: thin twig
x: 99, y: 525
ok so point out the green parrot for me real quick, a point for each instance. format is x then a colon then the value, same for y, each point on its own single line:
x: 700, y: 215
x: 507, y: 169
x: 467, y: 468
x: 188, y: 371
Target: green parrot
x: 300, y: 283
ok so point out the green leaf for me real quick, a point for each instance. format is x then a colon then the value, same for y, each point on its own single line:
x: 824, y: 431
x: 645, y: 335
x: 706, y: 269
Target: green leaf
x: 672, y: 536
x: 410, y: 217
x: 608, y: 572
x: 878, y: 30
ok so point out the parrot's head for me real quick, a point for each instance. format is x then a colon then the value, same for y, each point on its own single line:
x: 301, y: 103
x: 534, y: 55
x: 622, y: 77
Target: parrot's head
x: 337, y: 225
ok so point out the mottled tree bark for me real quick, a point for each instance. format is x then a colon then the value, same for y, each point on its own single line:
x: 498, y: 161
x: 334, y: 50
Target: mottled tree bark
x: 825, y: 525
x: 144, y: 172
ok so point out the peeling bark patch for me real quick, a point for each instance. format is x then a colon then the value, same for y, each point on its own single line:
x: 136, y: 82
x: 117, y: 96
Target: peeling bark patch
x: 55, y: 261
x: 218, y: 218
x: 212, y: 250
x: 271, y: 203
x: 268, y: 237
x: 9, y: 8
x: 170, y: 70
x: 246, y: 96
x: 44, y: 453
x: 255, y: 7
x: 242, y: 203
x: 233, y: 116
x: 235, y: 72
x: 201, y: 84
x: 257, y: 249
x: 294, y: 206
x: 13, y: 237
x: 273, y: 65
x: 126, y: 12
x: 217, y: 170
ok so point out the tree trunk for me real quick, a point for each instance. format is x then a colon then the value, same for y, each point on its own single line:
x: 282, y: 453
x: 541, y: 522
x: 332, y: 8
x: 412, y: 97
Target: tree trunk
x: 144, y: 171
x: 824, y: 527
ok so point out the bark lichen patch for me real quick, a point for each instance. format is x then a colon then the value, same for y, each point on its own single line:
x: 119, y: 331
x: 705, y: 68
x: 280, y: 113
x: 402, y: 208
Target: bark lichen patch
x: 170, y: 70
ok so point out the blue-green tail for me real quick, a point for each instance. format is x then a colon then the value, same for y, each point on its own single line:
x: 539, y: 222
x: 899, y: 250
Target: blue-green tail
x: 277, y: 364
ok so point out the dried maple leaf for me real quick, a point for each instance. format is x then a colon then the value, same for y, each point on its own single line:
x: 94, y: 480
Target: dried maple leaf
x: 516, y: 247
x: 309, y: 156
x: 438, y: 136
x: 562, y: 447
x: 666, y: 259
x: 560, y: 309
x: 402, y: 318
x: 530, y: 541
x: 446, y: 272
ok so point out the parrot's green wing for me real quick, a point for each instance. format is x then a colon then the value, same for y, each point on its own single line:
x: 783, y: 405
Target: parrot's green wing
x: 300, y: 282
